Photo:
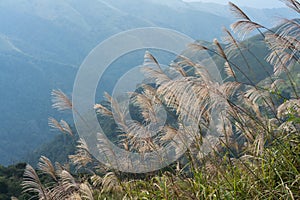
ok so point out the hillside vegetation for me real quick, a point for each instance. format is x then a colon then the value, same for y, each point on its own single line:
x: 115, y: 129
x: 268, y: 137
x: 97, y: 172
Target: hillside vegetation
x: 255, y: 139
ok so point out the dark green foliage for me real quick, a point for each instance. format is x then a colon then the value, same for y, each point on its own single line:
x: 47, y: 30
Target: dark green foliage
x: 10, y: 181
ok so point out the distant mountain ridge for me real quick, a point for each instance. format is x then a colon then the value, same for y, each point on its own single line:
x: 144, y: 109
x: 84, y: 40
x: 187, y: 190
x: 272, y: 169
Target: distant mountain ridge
x: 42, y: 43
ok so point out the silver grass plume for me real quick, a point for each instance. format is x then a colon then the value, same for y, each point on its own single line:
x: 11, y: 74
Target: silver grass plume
x: 60, y: 100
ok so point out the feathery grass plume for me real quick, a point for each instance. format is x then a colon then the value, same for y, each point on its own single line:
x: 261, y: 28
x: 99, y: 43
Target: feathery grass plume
x: 286, y: 39
x: 200, y: 70
x: 45, y: 165
x: 239, y: 13
x: 231, y: 44
x: 280, y: 61
x: 66, y: 186
x: 256, y: 94
x: 156, y: 73
x: 149, y: 60
x: 148, y: 104
x: 86, y: 191
x: 111, y: 183
x: 62, y: 126
x: 66, y: 127
x: 67, y: 180
x: 179, y: 69
x: 243, y: 27
x: 103, y: 110
x: 63, y: 187
x: 82, y: 155
x: 32, y: 183
x: 53, y: 123
x: 290, y: 28
x: 60, y: 101
x: 285, y: 46
x: 152, y: 67
x: 234, y: 47
x: 283, y: 55
x: 228, y: 89
x: 293, y: 4
x: 170, y: 133
x: 96, y: 180
x: 196, y: 46
x: 119, y: 112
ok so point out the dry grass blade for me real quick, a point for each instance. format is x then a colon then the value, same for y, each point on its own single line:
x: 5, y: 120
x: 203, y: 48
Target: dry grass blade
x: 45, y: 165
x: 60, y: 100
x: 32, y: 183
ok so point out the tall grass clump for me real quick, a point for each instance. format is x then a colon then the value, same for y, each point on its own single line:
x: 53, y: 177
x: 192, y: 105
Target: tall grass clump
x: 255, y: 141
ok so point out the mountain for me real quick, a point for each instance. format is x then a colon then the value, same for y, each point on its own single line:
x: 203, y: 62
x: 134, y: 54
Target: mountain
x: 42, y: 44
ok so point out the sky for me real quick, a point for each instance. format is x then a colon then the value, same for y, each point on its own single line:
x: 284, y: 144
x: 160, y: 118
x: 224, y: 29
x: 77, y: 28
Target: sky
x: 249, y: 3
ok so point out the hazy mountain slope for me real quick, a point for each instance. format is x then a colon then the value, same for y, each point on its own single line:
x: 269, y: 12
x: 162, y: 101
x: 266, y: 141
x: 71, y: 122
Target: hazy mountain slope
x: 42, y: 43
